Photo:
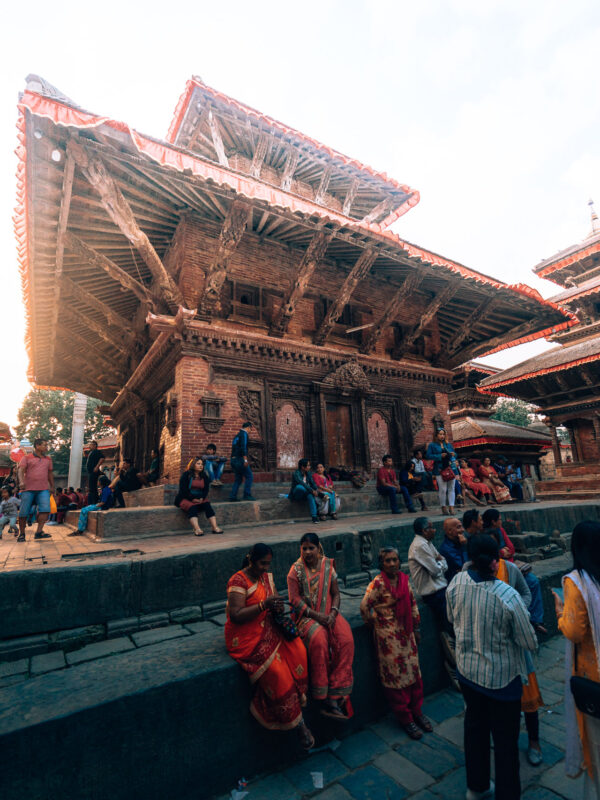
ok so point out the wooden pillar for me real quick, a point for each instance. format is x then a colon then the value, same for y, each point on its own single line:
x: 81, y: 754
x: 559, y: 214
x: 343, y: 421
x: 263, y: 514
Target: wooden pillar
x: 575, y: 443
x: 555, y: 446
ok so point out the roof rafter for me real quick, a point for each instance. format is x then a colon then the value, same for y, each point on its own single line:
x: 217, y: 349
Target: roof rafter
x: 390, y: 312
x: 63, y: 220
x: 81, y: 295
x: 438, y: 301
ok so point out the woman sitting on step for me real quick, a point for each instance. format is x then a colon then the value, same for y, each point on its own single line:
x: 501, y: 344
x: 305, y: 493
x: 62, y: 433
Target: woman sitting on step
x: 192, y: 494
x: 276, y: 667
x: 315, y: 598
x: 331, y: 501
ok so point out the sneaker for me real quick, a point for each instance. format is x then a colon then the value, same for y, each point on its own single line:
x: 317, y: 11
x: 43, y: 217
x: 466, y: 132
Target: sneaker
x: 487, y: 795
x: 42, y: 535
x: 21, y: 537
x: 51, y: 523
x: 534, y: 756
x: 316, y: 520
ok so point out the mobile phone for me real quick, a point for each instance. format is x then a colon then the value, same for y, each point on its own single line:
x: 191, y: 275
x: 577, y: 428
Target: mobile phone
x: 559, y: 591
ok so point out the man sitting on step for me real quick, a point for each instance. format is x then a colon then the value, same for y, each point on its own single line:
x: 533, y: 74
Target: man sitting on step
x: 126, y: 480
x: 304, y: 489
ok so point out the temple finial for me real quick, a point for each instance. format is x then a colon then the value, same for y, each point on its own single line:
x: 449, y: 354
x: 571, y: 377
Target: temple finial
x: 595, y: 223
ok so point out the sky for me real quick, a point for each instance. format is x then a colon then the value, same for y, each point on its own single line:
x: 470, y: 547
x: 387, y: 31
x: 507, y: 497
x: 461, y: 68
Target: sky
x: 489, y: 108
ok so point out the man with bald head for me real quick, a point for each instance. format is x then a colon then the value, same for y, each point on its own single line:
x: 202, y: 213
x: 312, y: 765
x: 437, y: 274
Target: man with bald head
x: 454, y: 546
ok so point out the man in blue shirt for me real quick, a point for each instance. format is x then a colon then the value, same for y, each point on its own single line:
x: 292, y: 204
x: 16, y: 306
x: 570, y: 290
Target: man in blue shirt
x: 454, y: 546
x: 239, y: 464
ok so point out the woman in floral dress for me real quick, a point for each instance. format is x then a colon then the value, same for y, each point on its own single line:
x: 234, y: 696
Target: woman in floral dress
x: 389, y: 606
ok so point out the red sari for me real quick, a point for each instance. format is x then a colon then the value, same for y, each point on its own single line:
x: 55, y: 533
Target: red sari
x: 276, y: 666
x: 490, y: 477
x: 330, y: 650
x: 471, y: 482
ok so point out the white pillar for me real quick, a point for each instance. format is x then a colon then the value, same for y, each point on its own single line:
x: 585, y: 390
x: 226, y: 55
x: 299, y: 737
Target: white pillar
x: 76, y: 456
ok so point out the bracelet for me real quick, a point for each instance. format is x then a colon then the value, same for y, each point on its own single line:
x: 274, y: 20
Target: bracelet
x: 336, y: 609
x: 261, y: 605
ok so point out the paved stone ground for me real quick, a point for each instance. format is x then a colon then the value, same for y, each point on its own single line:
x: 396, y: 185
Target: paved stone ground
x: 62, y: 549
x: 382, y: 763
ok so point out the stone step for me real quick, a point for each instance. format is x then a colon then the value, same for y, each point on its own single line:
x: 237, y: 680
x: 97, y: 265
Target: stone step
x: 529, y: 540
x: 576, y: 483
x: 576, y: 494
x: 162, y: 520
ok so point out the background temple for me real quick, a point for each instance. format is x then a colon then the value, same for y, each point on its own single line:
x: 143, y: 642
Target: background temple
x: 242, y: 271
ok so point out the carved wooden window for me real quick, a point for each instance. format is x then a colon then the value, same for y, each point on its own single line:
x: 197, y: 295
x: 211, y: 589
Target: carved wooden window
x: 247, y: 301
x: 349, y: 318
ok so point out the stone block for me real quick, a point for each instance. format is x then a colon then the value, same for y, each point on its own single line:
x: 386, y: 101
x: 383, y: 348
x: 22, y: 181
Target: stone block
x: 274, y: 787
x: 331, y: 767
x: 155, y: 635
x: 147, y: 621
x: 434, y: 762
x: 10, y: 668
x: 360, y: 748
x: 556, y: 780
x: 443, y: 705
x: 122, y: 627
x: 356, y: 579
x: 204, y: 627
x: 389, y: 730
x: 335, y: 792
x: 187, y: 614
x: 539, y: 793
x: 452, y: 786
x: 11, y: 680
x: 218, y: 619
x: 99, y: 650
x: 23, y: 647
x: 369, y: 783
x: 74, y: 638
x: 403, y: 771
x: 451, y: 729
x: 214, y: 608
x: 453, y: 749
x: 47, y: 662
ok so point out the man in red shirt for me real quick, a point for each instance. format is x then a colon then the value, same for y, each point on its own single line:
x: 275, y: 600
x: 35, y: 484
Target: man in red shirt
x: 388, y: 486
x: 36, y: 480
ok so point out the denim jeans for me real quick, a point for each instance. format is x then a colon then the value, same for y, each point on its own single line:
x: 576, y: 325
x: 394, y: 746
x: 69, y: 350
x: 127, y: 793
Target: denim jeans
x: 214, y: 467
x: 83, y: 516
x: 301, y: 494
x: 12, y: 521
x: 242, y: 473
x: 536, y: 607
x: 392, y: 493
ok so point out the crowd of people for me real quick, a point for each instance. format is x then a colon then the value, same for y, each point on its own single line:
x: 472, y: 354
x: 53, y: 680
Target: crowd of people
x: 488, y: 620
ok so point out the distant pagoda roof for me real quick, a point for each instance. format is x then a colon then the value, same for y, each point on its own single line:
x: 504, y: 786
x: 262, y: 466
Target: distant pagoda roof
x: 474, y: 431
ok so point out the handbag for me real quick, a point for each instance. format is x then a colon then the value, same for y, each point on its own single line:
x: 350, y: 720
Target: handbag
x: 286, y: 625
x: 447, y: 474
x: 586, y: 693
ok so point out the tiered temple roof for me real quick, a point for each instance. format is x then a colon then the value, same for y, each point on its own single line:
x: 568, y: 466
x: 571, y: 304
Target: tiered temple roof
x: 99, y: 204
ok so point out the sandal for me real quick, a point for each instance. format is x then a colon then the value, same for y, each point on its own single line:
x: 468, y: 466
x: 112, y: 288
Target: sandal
x: 412, y: 730
x: 198, y: 533
x: 307, y: 740
x: 334, y: 712
x: 333, y: 516
x: 424, y: 723
x: 218, y: 530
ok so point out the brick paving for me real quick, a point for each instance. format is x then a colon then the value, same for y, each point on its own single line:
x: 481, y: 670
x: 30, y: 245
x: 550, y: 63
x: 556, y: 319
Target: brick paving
x: 382, y: 762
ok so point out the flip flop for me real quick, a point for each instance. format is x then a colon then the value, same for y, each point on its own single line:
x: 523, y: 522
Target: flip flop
x: 199, y: 534
x: 219, y: 530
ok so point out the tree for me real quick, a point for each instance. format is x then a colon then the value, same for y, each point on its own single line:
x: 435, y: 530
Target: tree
x: 48, y: 414
x: 516, y: 412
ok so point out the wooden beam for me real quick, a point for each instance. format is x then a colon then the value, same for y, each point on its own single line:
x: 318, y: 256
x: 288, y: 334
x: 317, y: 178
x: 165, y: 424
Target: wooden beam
x: 231, y: 235
x: 217, y: 139
x: 82, y: 296
x: 94, y: 354
x: 480, y: 348
x: 561, y: 382
x: 382, y: 209
x: 106, y: 334
x: 350, y: 196
x: 359, y: 271
x: 323, y: 184
x: 291, y: 163
x: 586, y: 377
x: 313, y: 254
x: 121, y: 214
x: 63, y: 219
x: 260, y: 153
x: 101, y: 262
x: 455, y: 341
x: 438, y: 301
x: 390, y: 312
x: 197, y: 132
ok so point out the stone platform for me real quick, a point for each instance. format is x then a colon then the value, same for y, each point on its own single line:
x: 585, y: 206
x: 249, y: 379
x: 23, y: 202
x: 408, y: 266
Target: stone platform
x: 164, y: 714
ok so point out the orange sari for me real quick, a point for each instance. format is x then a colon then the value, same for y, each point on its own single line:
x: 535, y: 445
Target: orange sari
x: 276, y: 666
x: 531, y: 699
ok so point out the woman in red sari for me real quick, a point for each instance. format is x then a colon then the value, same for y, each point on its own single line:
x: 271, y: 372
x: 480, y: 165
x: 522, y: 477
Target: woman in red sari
x: 490, y: 477
x: 474, y: 483
x: 276, y: 667
x: 389, y: 606
x: 315, y: 598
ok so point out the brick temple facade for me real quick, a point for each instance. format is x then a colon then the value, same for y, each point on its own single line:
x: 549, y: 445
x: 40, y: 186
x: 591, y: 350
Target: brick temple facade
x: 240, y: 270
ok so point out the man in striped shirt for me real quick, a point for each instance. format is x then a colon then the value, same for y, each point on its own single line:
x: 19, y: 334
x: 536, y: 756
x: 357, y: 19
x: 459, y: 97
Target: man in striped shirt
x: 492, y: 631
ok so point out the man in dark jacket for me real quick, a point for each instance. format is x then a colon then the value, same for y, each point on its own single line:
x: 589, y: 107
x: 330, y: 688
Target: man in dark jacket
x: 304, y: 489
x: 454, y: 546
x: 126, y: 481
x: 94, y: 461
x: 240, y: 465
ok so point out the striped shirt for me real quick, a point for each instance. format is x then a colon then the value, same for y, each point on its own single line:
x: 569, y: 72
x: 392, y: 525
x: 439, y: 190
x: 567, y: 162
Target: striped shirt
x: 492, y: 630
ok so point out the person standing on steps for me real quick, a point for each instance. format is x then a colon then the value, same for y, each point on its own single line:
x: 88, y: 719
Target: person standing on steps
x: 37, y: 477
x: 240, y: 465
x: 94, y: 461
x: 445, y: 474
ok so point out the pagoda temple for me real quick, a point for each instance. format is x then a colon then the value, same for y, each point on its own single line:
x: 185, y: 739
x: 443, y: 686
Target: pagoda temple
x: 240, y: 270
x: 565, y: 381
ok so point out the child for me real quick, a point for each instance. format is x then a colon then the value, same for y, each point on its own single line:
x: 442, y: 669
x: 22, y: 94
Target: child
x: 213, y: 464
x: 106, y: 502
x: 9, y: 509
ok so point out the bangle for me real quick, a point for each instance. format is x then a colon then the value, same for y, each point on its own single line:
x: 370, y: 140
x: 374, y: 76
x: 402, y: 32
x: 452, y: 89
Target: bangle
x: 336, y: 609
x: 261, y: 605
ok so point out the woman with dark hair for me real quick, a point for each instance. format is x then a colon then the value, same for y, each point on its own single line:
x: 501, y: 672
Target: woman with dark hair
x: 389, y: 606
x: 276, y: 666
x: 191, y: 497
x: 493, y: 632
x: 579, y: 622
x: 490, y: 477
x: 315, y: 598
x: 412, y: 481
x: 445, y: 470
x: 474, y: 488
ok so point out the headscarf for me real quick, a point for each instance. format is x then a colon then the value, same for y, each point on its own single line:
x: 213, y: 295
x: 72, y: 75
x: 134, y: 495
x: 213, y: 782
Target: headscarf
x: 401, y: 594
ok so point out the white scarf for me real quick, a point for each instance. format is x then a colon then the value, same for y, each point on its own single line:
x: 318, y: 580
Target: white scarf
x: 591, y: 595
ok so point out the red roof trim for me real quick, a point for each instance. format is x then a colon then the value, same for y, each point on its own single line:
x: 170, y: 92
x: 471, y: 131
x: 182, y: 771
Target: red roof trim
x: 186, y: 97
x: 571, y: 259
x: 536, y: 373
x: 458, y: 443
